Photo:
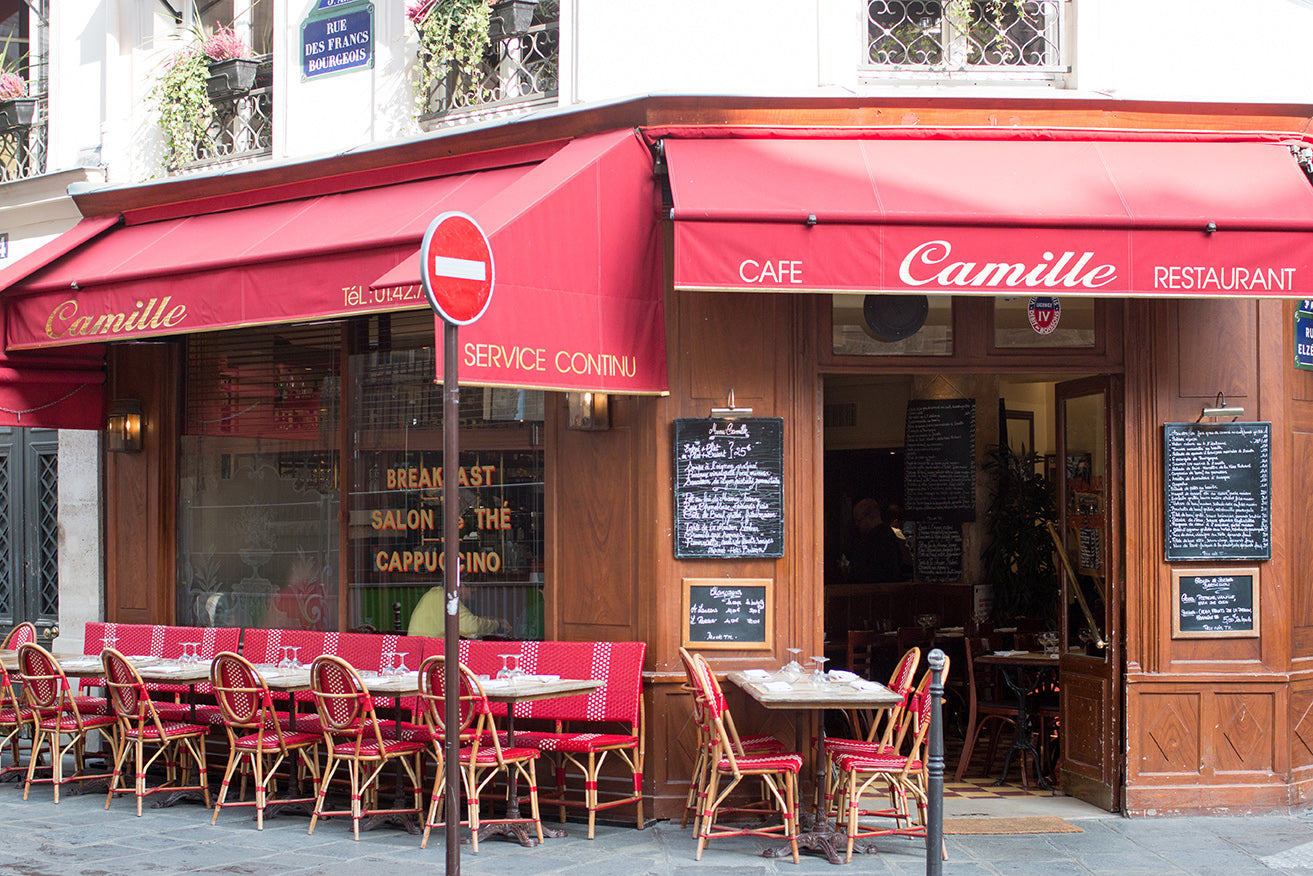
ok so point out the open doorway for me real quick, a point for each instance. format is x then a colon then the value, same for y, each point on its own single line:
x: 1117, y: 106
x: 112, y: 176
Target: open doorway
x: 932, y: 454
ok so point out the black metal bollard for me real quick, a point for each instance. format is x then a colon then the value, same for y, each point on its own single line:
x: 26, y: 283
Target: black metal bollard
x: 934, y: 840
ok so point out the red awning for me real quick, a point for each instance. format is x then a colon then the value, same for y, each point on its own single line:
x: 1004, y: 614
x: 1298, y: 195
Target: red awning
x: 991, y: 217
x: 577, y: 303
x: 62, y: 389
x: 237, y: 261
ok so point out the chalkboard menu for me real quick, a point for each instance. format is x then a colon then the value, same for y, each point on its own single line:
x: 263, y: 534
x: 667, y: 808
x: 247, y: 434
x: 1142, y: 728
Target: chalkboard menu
x: 1217, y: 487
x: 939, y: 460
x: 936, y: 550
x: 729, y: 488
x: 728, y: 613
x: 1215, y: 602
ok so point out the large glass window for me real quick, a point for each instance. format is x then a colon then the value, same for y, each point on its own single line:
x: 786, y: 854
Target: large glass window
x: 258, y: 479
x: 395, y: 499
x: 263, y: 477
x: 892, y: 325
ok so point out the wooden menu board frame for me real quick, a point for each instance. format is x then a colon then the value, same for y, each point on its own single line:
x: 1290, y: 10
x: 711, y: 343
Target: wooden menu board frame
x: 1250, y: 572
x: 690, y: 588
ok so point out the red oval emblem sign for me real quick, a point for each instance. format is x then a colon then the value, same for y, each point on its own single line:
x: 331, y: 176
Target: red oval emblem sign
x: 456, y: 268
x: 1044, y: 311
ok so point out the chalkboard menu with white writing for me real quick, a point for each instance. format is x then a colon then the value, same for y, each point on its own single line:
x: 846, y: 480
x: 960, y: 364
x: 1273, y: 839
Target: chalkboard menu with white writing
x: 729, y: 488
x: 936, y: 550
x: 728, y: 613
x: 1217, y: 488
x: 939, y: 460
x: 1215, y: 602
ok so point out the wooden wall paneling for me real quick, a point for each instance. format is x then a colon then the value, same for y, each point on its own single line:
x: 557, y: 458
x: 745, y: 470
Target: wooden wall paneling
x: 1245, y: 732
x: 1273, y: 393
x: 141, y: 489
x: 1301, y: 726
x: 1168, y: 732
x: 1215, y: 348
x: 1147, y: 622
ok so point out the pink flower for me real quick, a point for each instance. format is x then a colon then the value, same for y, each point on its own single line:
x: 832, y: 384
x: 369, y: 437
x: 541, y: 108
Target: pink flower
x: 11, y: 86
x: 417, y: 10
x: 224, y: 45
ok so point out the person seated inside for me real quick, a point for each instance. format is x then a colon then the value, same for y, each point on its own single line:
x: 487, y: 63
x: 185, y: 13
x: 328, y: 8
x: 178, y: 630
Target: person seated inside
x: 880, y: 553
x: 428, y: 619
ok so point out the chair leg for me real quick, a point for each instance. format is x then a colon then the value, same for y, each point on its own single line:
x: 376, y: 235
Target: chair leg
x: 234, y: 759
x: 329, y: 769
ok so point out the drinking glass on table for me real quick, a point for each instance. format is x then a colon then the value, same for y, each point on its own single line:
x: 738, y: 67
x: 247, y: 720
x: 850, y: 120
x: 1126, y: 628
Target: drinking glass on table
x: 507, y: 670
x: 818, y: 674
x: 792, y: 670
x: 191, y: 652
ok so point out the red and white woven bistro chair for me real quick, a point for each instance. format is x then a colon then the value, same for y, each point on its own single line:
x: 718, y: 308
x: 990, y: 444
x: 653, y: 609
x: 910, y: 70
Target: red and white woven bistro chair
x: 140, y: 724
x: 22, y: 634
x: 482, y: 756
x: 777, y: 771
x: 887, y: 728
x: 707, y: 744
x: 59, y: 721
x: 351, y: 733
x: 900, y: 775
x: 16, y: 721
x: 259, y: 741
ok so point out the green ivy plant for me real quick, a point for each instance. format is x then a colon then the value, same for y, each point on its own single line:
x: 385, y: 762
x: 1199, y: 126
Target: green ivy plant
x: 184, y: 106
x: 452, y: 34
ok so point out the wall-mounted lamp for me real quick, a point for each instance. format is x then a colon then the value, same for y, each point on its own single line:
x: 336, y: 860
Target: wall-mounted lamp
x: 731, y: 412
x: 123, y: 429
x: 1220, y: 408
x: 588, y: 411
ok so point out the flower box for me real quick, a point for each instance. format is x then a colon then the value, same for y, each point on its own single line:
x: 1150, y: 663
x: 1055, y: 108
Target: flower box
x: 511, y: 16
x: 17, y: 113
x: 234, y: 76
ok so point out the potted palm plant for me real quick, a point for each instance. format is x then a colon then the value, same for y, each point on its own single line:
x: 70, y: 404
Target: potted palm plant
x: 1019, y: 560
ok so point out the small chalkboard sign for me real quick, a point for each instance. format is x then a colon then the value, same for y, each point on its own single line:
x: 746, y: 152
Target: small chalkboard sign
x: 729, y: 488
x: 1221, y: 603
x: 936, y: 550
x: 939, y: 460
x: 728, y: 613
x: 1217, y: 491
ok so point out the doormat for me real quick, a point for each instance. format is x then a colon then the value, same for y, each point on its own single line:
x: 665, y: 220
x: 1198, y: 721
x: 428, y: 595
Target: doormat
x: 1031, y: 824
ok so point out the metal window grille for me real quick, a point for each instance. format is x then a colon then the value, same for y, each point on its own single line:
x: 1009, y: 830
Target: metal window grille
x: 986, y: 40
x: 520, y: 71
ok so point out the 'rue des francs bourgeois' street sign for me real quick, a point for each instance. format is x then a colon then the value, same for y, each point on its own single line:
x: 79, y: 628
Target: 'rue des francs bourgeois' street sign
x: 337, y: 35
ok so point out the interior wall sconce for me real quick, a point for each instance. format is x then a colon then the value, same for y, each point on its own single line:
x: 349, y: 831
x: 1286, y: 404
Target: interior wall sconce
x: 1220, y: 409
x: 123, y: 429
x: 588, y: 411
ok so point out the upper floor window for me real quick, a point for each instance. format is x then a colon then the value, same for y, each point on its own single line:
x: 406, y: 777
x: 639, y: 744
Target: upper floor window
x: 253, y: 20
x: 480, y: 60
x: 972, y: 40
x: 23, y: 74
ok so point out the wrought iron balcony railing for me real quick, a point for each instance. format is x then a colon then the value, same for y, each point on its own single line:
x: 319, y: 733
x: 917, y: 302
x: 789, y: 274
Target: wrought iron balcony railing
x: 972, y: 40
x: 241, y: 126
x: 23, y: 138
x: 520, y: 71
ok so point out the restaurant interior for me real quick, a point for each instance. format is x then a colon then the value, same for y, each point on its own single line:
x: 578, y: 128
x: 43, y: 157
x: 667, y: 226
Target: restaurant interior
x: 898, y: 576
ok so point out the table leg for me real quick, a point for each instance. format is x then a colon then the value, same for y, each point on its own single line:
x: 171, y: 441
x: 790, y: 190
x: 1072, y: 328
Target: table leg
x: 404, y: 820
x: 514, y: 827
x: 820, y: 835
x: 1021, y: 740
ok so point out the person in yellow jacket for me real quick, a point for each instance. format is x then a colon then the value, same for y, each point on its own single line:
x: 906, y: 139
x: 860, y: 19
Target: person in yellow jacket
x: 428, y: 619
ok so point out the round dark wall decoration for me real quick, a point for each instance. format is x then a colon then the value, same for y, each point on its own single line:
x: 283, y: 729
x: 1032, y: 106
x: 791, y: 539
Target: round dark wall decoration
x: 895, y: 317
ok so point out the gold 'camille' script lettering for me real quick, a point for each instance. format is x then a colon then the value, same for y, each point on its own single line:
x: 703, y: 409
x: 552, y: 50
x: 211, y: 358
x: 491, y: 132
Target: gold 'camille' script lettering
x: 65, y: 321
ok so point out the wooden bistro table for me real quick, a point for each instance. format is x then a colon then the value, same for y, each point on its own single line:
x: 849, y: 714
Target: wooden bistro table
x: 805, y: 696
x: 1022, y: 672
x: 524, y: 689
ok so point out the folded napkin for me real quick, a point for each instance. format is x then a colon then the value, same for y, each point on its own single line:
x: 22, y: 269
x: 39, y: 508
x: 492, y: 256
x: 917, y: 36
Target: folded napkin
x: 489, y: 683
x: 863, y: 684
x: 843, y: 675
x: 540, y: 678
x: 756, y: 674
x: 1009, y: 653
x: 778, y: 686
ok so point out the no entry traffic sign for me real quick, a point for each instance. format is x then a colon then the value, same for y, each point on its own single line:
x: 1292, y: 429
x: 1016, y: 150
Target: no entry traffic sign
x: 456, y: 268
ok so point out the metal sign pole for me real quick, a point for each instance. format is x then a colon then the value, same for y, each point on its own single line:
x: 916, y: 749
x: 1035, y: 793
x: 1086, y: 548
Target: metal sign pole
x: 451, y: 582
x: 934, y: 838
